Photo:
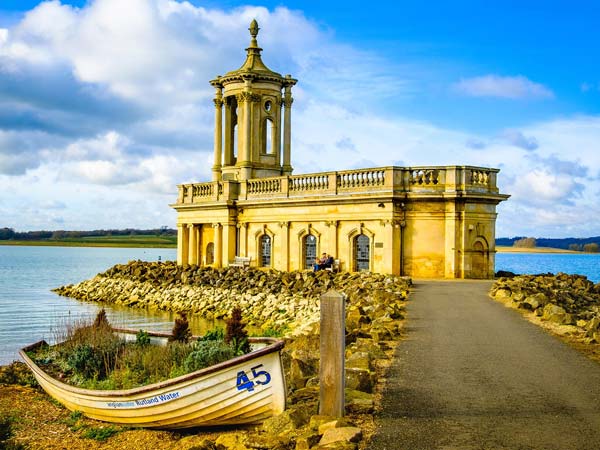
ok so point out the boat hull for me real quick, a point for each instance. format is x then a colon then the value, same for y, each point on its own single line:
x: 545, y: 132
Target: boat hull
x: 244, y: 390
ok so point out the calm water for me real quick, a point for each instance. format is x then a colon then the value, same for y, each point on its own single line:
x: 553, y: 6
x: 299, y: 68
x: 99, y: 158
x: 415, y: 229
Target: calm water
x: 587, y: 264
x: 30, y: 312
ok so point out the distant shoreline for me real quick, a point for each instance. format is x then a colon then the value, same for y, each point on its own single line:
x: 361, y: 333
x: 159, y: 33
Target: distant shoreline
x: 139, y: 244
x: 59, y: 243
x: 504, y: 249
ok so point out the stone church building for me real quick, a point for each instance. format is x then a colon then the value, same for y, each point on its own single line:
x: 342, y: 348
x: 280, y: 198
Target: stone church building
x: 429, y: 222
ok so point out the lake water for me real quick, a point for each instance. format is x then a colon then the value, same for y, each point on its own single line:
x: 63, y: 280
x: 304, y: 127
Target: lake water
x: 587, y: 264
x: 29, y: 311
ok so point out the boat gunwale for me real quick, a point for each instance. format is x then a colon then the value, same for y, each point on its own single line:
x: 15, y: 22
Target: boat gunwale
x: 273, y: 346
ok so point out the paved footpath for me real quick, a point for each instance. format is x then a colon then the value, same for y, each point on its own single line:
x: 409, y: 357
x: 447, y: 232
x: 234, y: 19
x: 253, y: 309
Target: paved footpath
x: 473, y: 374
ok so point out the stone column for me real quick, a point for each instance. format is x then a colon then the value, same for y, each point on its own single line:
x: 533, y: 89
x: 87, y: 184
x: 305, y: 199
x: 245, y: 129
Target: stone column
x: 332, y: 239
x: 228, y: 236
x: 218, y: 245
x: 287, y: 131
x: 285, y: 246
x: 245, y: 135
x: 391, y: 247
x: 218, y: 100
x: 182, y: 244
x: 228, y: 153
x: 243, y: 239
x: 193, y: 245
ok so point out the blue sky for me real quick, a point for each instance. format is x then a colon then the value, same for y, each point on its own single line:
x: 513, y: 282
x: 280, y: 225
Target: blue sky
x: 105, y: 105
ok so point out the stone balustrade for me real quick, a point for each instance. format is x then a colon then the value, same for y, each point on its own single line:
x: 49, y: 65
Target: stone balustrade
x: 393, y: 180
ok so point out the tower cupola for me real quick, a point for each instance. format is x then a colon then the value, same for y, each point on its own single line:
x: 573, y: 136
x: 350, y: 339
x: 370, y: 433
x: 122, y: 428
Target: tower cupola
x: 248, y: 139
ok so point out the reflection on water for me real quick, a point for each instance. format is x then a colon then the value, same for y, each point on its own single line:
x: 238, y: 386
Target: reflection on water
x: 29, y: 311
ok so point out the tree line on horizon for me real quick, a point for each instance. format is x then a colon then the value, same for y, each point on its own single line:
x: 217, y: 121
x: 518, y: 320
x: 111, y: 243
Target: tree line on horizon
x: 11, y: 234
x: 588, y: 245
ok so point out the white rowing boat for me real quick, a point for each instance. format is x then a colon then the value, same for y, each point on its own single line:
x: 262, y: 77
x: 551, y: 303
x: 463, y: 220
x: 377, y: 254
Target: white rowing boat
x: 244, y: 390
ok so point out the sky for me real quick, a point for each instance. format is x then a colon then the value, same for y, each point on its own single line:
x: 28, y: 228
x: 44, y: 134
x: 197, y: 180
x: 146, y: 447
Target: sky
x: 105, y: 105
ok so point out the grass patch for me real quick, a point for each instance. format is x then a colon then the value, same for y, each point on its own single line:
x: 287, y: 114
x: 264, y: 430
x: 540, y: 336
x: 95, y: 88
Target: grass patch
x: 139, y: 241
x: 6, y: 434
x: 100, y: 433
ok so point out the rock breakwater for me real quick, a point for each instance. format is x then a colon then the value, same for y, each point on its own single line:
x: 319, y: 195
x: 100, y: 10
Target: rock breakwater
x: 562, y: 299
x: 269, y: 299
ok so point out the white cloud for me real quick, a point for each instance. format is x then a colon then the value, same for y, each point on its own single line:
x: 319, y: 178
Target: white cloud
x: 105, y: 109
x: 518, y: 139
x: 517, y: 87
x: 541, y: 186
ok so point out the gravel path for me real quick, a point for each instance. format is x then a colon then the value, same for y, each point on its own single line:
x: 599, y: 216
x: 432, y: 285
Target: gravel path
x: 474, y: 374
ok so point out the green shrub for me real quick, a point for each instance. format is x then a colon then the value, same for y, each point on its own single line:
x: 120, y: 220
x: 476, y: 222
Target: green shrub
x: 92, y: 352
x: 84, y: 361
x: 208, y: 353
x: 216, y: 334
x: 142, y: 338
x: 17, y: 373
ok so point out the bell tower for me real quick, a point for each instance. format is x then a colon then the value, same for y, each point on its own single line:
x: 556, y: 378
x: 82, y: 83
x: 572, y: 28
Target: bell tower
x: 251, y: 139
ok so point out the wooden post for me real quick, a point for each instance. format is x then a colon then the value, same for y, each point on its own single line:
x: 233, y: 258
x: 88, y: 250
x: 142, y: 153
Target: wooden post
x: 332, y: 372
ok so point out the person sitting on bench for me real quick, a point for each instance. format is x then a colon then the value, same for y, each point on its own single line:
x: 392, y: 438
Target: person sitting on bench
x: 324, y: 262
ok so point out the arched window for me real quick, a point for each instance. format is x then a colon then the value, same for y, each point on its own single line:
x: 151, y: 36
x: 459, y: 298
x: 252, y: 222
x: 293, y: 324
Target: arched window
x: 309, y: 250
x: 210, y: 253
x: 267, y: 133
x: 265, y: 250
x: 362, y: 253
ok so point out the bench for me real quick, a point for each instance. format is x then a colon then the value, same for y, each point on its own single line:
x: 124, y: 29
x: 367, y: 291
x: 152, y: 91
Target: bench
x: 241, y: 261
x: 335, y: 267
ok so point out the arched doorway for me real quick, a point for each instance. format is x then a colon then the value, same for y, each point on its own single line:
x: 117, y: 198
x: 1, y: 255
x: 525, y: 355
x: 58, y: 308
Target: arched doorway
x: 210, y: 253
x: 362, y: 253
x: 309, y: 249
x: 478, y: 261
x: 265, y: 250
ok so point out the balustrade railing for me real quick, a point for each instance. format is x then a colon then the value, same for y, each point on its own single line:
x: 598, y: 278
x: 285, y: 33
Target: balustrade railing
x: 299, y: 183
x: 424, y: 177
x: 264, y: 186
x: 361, y: 178
x: 420, y: 180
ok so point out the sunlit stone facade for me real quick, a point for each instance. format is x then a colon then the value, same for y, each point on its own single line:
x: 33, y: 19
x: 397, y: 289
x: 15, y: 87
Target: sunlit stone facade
x: 429, y: 222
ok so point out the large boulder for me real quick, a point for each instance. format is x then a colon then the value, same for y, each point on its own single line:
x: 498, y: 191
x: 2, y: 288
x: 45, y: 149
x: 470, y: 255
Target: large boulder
x: 556, y: 314
x: 344, y: 434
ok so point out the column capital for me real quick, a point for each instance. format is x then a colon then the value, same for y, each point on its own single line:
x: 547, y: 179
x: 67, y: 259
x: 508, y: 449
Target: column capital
x: 216, y: 225
x: 218, y: 101
x: 332, y: 223
x: 250, y: 97
x: 285, y: 224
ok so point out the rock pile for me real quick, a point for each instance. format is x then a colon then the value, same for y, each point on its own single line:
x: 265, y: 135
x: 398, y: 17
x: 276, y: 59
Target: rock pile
x: 284, y: 301
x: 269, y: 299
x: 562, y: 299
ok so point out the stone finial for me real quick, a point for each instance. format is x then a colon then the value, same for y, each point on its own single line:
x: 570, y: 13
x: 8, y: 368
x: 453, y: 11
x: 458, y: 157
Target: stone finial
x: 254, y: 28
x: 253, y: 32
